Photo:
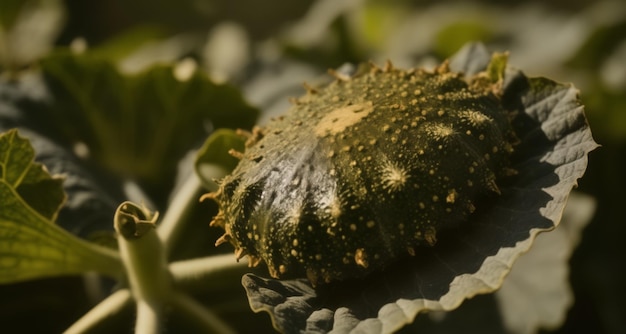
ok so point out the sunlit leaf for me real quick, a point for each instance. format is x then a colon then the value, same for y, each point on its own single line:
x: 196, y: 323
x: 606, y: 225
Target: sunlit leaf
x: 30, y: 180
x: 473, y: 259
x: 31, y: 245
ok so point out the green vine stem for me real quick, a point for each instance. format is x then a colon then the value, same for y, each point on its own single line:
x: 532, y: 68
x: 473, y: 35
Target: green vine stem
x: 149, y: 316
x: 106, y: 310
x: 220, y: 270
x: 186, y: 198
x: 142, y: 252
x: 143, y: 255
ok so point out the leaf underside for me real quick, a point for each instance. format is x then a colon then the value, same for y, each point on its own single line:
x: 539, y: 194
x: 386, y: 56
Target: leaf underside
x: 473, y: 259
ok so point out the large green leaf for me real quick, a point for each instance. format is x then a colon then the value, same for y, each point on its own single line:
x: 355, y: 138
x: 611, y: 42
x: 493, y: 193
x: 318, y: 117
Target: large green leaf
x: 29, y: 180
x: 137, y: 126
x: 473, y: 259
x: 31, y: 245
x: 214, y: 152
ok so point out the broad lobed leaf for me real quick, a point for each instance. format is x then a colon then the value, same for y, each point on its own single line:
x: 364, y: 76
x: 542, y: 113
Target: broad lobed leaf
x: 139, y: 125
x: 30, y: 179
x: 31, y: 245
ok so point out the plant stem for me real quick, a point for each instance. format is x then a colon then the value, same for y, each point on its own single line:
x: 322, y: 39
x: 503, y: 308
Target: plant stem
x: 217, y: 269
x: 148, y: 317
x: 105, y: 310
x: 142, y: 253
x: 182, y: 204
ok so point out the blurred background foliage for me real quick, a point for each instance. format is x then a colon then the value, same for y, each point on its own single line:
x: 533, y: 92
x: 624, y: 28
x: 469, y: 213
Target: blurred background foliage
x: 268, y: 48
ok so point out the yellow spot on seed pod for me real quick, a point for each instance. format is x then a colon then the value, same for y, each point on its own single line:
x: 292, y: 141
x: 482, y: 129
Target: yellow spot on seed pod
x: 430, y: 236
x: 339, y: 119
x: 393, y: 177
x: 360, y: 257
x: 452, y: 194
x: 440, y: 131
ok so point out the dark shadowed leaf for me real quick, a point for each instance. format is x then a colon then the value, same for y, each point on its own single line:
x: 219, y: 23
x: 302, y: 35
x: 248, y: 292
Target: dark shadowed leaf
x: 93, y: 195
x: 472, y: 259
x: 137, y: 126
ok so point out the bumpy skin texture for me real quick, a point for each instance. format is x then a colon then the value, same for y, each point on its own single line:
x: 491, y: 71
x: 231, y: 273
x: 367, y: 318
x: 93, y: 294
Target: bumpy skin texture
x: 364, y: 171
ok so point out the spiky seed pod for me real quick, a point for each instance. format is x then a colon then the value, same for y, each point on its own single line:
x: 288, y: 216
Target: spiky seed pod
x: 364, y: 171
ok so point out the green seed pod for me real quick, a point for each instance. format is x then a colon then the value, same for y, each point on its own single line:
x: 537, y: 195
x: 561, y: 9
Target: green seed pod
x: 366, y: 170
